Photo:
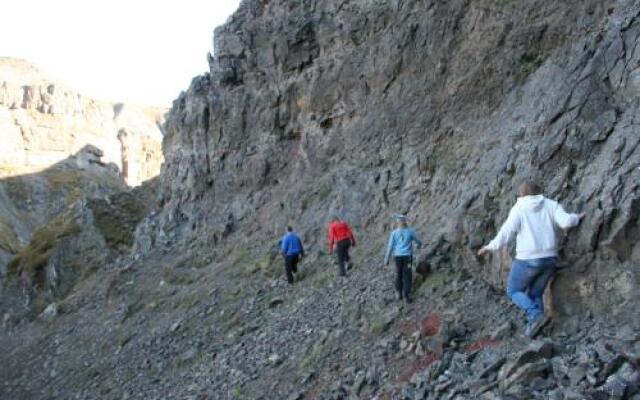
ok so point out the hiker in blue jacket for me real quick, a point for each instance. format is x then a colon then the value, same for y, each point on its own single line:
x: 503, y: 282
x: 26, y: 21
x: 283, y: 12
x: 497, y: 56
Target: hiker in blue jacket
x: 401, y: 248
x: 292, y: 251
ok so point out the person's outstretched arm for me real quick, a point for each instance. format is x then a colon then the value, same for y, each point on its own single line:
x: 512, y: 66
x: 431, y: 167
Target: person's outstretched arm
x: 564, y: 219
x: 390, y: 245
x: 505, y: 234
x: 416, y: 238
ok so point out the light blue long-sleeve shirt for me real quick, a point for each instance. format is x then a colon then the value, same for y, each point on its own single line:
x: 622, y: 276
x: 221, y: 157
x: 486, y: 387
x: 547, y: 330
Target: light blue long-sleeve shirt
x: 401, y: 243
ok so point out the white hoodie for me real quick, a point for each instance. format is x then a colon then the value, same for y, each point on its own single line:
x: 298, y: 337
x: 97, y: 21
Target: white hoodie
x: 534, y: 219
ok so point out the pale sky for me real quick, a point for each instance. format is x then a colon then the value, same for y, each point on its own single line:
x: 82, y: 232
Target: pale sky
x: 134, y: 51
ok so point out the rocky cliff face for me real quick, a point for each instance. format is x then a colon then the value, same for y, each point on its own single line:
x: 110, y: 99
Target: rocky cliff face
x: 64, y: 201
x: 60, y: 225
x: 366, y: 108
x: 44, y: 122
x: 439, y: 110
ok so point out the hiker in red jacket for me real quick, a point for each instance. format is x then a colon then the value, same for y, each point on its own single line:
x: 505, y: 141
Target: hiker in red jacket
x: 341, y: 236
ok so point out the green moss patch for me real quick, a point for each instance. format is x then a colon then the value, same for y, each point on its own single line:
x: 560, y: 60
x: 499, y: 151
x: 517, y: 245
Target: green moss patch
x: 8, y: 239
x: 117, y: 219
x: 63, y: 179
x: 36, y: 254
x: 241, y: 259
x: 314, y: 357
x: 16, y: 189
x: 70, y: 179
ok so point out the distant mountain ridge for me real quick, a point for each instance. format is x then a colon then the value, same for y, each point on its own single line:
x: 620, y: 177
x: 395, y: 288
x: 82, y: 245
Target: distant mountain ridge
x: 43, y: 122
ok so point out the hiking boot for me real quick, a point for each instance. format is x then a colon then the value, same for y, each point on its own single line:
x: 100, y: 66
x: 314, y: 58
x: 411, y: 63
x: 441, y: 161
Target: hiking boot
x: 349, y: 266
x: 408, y: 300
x: 534, y: 327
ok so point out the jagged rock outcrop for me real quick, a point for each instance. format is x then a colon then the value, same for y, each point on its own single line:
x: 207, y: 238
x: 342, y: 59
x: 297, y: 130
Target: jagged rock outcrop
x: 366, y: 108
x: 437, y: 109
x: 43, y: 122
x: 61, y: 224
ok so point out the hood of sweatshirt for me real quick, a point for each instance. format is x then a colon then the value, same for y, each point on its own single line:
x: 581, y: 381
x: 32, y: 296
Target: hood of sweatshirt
x: 534, y: 203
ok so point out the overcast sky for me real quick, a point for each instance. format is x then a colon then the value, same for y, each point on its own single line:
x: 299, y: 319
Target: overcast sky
x: 134, y: 51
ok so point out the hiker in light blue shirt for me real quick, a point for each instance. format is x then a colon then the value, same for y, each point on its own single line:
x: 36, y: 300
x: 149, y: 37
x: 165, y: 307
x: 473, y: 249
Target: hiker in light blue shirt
x: 401, y: 248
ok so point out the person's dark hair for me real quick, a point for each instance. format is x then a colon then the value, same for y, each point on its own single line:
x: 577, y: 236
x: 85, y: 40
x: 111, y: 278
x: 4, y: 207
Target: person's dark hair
x: 289, y: 229
x: 529, y: 188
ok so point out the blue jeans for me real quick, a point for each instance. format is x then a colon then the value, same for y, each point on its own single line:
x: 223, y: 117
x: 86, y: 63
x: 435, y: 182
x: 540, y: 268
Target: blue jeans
x: 527, y: 282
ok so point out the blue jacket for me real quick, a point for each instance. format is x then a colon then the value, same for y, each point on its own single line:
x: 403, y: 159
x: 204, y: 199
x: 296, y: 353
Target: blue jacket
x: 401, y: 243
x: 291, y: 245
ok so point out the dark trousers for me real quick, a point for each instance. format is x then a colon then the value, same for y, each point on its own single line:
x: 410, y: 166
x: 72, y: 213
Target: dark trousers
x: 342, y: 255
x: 291, y: 266
x: 403, y: 275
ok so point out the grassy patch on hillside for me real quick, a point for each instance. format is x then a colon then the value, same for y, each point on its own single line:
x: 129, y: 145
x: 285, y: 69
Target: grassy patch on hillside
x: 324, y: 192
x: 118, y: 219
x: 323, y: 278
x: 313, y: 358
x: 70, y: 179
x: 265, y: 266
x: 8, y: 239
x: 377, y: 321
x: 63, y: 179
x: 16, y: 189
x: 36, y: 254
x: 241, y: 259
x: 435, y: 281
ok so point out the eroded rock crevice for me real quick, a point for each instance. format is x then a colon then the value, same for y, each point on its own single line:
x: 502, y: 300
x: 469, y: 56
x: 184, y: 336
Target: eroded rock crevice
x: 363, y: 109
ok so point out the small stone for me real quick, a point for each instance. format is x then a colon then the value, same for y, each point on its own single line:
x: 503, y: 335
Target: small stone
x: 527, y: 373
x: 560, y: 369
x: 492, y: 368
x: 420, y: 349
x: 371, y: 377
x: 275, y: 359
x: 348, y: 374
x: 175, y: 326
x: 571, y: 394
x: 358, y: 382
x: 556, y: 394
x: 5, y: 319
x: 537, y: 350
x: 578, y: 373
x: 502, y: 332
x: 49, y: 313
x: 275, y: 302
x: 296, y: 396
x: 189, y: 354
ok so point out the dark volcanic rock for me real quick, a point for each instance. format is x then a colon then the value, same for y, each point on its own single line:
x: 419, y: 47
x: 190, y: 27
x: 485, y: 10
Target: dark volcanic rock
x: 366, y: 108
x: 436, y: 109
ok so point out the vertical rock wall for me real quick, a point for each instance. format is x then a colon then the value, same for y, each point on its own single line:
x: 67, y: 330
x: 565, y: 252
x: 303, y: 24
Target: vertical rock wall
x: 438, y: 109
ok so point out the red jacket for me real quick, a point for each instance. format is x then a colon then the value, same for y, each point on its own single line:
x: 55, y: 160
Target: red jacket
x: 338, y: 231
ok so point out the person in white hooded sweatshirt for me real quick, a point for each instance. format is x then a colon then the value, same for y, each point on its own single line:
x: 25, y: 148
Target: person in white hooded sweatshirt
x: 534, y: 220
